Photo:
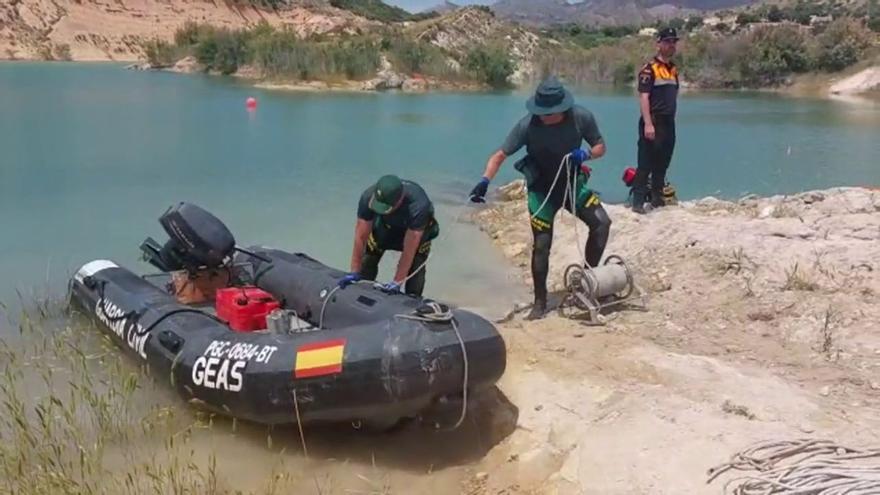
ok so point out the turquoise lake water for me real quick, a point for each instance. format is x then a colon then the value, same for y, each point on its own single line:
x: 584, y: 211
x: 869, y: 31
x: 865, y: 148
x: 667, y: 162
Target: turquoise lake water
x: 91, y: 155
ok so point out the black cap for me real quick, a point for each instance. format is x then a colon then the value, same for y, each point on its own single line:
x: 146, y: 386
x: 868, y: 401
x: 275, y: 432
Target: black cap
x: 667, y: 34
x: 389, y: 189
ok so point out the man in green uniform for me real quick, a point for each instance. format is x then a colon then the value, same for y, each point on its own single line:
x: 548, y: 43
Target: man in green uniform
x: 658, y: 95
x: 393, y: 214
x: 553, y: 130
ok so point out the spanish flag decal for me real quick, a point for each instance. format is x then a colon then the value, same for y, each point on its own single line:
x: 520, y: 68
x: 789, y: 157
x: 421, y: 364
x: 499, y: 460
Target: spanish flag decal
x: 319, y: 359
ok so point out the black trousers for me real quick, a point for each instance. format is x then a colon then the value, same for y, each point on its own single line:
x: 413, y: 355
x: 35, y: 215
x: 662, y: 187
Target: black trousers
x: 654, y: 158
x: 383, y: 239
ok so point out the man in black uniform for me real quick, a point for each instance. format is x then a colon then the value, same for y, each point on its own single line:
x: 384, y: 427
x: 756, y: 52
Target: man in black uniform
x: 397, y: 215
x: 658, y: 94
x: 553, y: 130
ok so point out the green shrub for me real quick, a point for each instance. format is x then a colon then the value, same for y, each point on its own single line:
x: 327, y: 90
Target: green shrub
x: 676, y: 23
x: 841, y: 44
x: 223, y: 50
x: 624, y: 73
x: 283, y: 53
x: 693, y: 22
x: 775, y: 53
x: 62, y: 52
x: 160, y: 53
x: 490, y: 65
x: 191, y: 32
x: 745, y: 18
x: 872, y: 13
x: 411, y: 55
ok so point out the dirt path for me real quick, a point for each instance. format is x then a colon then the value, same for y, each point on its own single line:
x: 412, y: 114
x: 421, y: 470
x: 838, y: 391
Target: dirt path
x: 760, y: 324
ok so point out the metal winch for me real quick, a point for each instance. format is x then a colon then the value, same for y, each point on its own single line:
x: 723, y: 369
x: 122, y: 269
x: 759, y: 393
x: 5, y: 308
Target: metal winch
x: 593, y: 289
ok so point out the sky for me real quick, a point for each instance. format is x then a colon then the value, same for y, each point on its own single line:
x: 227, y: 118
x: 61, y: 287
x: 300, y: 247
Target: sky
x: 417, y: 5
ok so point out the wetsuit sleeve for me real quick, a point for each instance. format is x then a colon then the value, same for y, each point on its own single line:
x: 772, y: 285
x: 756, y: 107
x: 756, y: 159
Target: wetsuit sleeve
x: 517, y: 137
x: 589, y: 129
x: 646, y: 79
x: 364, y: 212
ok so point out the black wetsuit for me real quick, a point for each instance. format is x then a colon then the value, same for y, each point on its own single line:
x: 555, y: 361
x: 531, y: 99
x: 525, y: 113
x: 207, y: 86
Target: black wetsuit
x: 545, y: 147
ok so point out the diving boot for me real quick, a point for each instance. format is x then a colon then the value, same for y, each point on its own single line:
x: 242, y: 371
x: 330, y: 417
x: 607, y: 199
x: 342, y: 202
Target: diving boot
x: 657, y: 200
x: 539, y: 310
x: 638, y: 203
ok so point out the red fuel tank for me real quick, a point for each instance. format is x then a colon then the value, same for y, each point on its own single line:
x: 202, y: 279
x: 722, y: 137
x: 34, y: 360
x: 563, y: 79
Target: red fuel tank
x: 245, y: 308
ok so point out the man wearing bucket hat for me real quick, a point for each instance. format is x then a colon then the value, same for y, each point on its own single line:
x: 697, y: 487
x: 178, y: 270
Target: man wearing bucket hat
x: 658, y: 95
x: 396, y: 215
x: 554, y: 130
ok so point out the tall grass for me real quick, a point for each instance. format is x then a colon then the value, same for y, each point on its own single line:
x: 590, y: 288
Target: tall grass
x: 77, y: 418
x: 274, y: 52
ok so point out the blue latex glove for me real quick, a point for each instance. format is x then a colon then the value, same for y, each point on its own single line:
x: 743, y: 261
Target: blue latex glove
x: 391, y: 288
x: 579, y: 156
x: 348, y: 280
x: 478, y: 193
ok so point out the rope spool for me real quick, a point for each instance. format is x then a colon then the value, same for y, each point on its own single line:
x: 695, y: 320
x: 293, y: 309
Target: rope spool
x: 587, y: 286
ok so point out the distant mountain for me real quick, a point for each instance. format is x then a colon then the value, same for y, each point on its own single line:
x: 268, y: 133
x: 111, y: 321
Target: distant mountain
x: 443, y: 8
x: 548, y: 12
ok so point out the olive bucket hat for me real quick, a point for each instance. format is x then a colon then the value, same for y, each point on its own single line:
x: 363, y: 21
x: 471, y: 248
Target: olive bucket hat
x: 550, y: 97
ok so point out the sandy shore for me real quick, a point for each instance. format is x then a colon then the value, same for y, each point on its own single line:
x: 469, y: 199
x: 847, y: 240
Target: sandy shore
x: 760, y: 324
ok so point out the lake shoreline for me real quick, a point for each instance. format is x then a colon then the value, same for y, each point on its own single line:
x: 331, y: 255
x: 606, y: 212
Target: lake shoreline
x: 784, y: 279
x: 805, y: 86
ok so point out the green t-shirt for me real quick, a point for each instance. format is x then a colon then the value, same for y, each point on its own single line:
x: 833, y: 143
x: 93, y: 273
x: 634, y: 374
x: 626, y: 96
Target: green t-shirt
x: 415, y: 213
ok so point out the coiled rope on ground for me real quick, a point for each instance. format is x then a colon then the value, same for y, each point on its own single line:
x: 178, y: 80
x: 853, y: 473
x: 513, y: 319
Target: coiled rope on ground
x: 802, y: 467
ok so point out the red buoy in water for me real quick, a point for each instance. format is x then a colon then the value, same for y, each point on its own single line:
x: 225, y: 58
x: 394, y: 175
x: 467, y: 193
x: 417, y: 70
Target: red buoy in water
x: 251, y: 103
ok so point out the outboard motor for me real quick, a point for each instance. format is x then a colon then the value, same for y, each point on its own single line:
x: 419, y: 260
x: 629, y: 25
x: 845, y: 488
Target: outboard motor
x: 197, y: 240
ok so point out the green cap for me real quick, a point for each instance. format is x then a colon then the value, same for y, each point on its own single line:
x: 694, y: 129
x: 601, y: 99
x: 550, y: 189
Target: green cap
x: 389, y: 189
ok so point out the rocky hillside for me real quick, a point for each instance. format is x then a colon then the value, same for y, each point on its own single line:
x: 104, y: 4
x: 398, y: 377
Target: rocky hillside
x: 115, y: 29
x: 549, y: 12
x: 467, y: 27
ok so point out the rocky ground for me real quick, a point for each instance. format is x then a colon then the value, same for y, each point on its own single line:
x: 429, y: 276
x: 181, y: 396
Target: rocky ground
x: 760, y: 322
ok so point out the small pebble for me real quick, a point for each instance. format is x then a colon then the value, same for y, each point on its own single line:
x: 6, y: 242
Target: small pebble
x: 578, y: 335
x: 539, y: 407
x: 826, y: 391
x: 481, y: 476
x: 875, y: 386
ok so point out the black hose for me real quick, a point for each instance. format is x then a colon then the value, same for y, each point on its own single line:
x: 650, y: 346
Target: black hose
x: 151, y: 326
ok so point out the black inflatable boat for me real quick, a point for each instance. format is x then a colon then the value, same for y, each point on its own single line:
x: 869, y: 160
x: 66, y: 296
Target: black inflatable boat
x: 355, y: 354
